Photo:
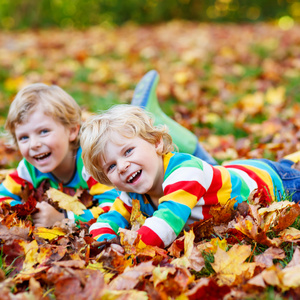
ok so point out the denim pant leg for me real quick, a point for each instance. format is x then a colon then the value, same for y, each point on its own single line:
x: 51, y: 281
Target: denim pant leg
x: 290, y: 177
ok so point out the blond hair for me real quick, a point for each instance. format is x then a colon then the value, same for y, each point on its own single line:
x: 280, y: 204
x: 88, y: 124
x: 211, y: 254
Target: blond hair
x: 129, y: 121
x: 54, y: 101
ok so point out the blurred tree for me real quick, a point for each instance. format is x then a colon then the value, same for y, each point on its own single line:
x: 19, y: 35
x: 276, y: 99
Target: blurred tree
x: 20, y: 14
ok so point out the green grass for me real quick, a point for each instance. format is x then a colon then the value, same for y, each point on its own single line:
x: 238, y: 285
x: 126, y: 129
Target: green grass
x: 5, y: 268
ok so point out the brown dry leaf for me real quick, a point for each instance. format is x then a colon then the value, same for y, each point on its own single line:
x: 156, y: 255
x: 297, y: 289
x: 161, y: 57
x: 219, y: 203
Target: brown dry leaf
x: 192, y: 257
x: 171, y: 280
x: 290, y: 234
x: 249, y: 228
x: 176, y: 247
x: 269, y: 276
x: 208, y: 289
x: 223, y: 213
x: 76, y: 284
x: 271, y: 213
x: 266, y: 258
x: 131, y: 276
x: 14, y: 233
x: 290, y: 277
x: 66, y: 202
x: 230, y: 266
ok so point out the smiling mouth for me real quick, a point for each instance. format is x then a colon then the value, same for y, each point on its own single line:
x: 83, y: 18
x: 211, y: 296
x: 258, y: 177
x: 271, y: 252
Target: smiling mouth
x: 42, y: 156
x: 134, y: 177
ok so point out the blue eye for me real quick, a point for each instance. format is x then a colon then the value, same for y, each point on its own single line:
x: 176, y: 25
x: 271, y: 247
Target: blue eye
x: 23, y: 138
x: 44, y: 131
x: 127, y: 152
x: 111, y: 167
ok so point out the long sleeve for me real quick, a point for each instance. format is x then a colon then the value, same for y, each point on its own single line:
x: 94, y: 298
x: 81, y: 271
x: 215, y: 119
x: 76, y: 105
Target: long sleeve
x: 190, y: 188
x: 108, y: 224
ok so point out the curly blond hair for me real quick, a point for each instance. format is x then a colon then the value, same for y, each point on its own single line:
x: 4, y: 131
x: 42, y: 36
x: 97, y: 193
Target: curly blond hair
x: 54, y: 101
x: 129, y: 121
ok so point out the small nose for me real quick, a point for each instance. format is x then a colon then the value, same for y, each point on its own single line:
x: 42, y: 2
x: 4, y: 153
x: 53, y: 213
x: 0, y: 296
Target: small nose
x: 123, y: 166
x: 35, y: 143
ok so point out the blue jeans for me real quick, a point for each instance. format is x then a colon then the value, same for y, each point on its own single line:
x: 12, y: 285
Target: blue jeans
x: 290, y: 177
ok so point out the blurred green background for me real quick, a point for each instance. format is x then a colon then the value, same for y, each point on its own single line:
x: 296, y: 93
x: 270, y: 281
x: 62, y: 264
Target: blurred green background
x: 21, y: 14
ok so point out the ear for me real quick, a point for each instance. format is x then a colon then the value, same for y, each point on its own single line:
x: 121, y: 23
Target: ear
x: 159, y: 146
x: 74, y: 132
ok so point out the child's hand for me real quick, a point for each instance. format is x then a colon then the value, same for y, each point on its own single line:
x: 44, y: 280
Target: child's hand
x: 47, y: 215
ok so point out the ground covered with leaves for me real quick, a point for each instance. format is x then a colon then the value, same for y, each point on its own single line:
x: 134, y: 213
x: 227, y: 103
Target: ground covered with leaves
x: 236, y: 87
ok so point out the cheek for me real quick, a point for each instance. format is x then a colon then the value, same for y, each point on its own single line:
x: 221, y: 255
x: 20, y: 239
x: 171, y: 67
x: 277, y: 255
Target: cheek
x: 22, y: 148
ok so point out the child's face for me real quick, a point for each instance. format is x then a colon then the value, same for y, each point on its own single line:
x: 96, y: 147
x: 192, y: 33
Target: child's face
x: 133, y: 165
x: 45, y: 143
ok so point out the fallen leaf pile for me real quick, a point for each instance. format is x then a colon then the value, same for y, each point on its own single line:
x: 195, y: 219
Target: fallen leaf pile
x: 237, y: 254
x: 236, y: 87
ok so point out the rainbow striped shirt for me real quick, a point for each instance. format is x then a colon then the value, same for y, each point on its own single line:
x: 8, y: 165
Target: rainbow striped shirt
x: 191, y: 186
x: 10, y: 188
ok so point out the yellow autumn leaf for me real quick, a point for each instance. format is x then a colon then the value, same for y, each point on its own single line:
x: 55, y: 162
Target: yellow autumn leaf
x: 252, y: 103
x: 222, y: 244
x: 137, y: 219
x: 66, y: 202
x: 35, y: 256
x: 275, y: 96
x: 49, y: 234
x: 230, y: 266
x: 129, y: 294
x: 14, y: 84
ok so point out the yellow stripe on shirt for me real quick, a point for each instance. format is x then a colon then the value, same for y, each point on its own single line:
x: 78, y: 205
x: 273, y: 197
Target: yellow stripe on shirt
x: 263, y: 175
x: 182, y: 197
x: 12, y: 186
x: 224, y: 193
x: 119, y: 207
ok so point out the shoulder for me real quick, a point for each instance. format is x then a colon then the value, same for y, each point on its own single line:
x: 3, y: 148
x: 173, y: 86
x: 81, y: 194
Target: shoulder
x: 175, y: 160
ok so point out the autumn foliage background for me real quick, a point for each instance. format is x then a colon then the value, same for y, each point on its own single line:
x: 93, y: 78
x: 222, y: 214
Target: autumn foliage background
x: 236, y: 86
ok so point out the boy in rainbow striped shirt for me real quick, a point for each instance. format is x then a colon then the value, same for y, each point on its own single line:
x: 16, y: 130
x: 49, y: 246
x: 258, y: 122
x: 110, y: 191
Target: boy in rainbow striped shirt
x: 122, y: 148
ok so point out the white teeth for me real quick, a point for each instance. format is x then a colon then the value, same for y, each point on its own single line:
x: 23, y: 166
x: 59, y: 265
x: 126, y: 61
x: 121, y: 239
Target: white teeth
x: 40, y: 156
x: 133, y: 175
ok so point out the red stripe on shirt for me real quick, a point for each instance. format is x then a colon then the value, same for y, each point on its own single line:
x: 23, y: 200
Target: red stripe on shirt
x: 262, y: 187
x: 149, y: 237
x: 211, y: 195
x: 99, y: 231
x: 17, y: 179
x: 91, y: 182
x: 106, y: 208
x: 128, y: 208
x: 192, y: 187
